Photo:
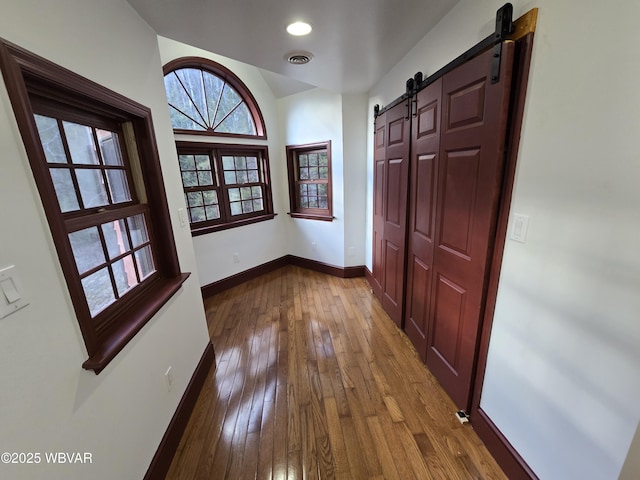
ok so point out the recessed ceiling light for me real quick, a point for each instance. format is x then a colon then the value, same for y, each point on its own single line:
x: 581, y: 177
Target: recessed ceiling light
x: 299, y: 28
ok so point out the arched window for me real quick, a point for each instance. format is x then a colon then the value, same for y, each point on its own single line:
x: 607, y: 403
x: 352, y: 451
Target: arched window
x: 206, y: 98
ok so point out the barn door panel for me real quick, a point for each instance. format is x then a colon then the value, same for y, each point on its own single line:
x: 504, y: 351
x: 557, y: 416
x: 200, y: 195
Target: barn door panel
x: 425, y: 150
x: 471, y: 160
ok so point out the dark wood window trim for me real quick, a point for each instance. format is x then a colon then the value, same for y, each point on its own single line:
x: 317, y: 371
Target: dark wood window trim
x: 30, y: 78
x: 296, y: 182
x: 229, y: 77
x: 216, y: 151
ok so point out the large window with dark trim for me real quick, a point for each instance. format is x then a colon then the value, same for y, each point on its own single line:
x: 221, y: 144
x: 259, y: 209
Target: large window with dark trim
x: 95, y: 162
x: 225, y: 185
x: 206, y: 98
x: 309, y: 168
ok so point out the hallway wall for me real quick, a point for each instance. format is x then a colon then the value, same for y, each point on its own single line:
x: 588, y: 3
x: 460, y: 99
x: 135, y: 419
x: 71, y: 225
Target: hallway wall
x: 561, y: 381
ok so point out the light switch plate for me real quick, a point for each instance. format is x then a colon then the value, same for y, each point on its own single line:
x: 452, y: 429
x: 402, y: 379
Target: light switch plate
x: 519, y: 228
x: 182, y: 215
x: 11, y: 299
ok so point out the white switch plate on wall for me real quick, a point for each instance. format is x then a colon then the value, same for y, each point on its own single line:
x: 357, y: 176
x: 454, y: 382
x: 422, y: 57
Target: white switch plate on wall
x: 519, y: 228
x: 11, y: 299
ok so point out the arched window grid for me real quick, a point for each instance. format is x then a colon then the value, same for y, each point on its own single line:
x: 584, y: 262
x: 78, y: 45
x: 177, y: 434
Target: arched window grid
x: 190, y: 117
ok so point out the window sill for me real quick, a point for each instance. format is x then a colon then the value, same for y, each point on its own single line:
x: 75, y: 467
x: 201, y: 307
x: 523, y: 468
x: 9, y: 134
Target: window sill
x: 310, y: 216
x: 140, y: 314
x: 225, y: 226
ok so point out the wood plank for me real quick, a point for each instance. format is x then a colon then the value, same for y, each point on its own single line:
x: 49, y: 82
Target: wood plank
x: 315, y: 381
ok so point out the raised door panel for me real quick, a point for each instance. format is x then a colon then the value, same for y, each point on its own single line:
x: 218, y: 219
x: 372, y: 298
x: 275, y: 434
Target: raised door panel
x: 459, y: 190
x: 474, y: 120
x: 379, y: 176
x: 395, y: 211
x: 448, y: 323
x: 425, y: 148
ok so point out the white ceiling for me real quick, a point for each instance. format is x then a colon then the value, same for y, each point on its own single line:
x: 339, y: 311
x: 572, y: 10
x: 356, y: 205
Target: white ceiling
x: 353, y: 42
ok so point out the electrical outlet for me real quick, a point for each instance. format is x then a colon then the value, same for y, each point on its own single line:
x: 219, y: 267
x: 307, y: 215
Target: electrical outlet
x: 168, y: 376
x: 236, y: 257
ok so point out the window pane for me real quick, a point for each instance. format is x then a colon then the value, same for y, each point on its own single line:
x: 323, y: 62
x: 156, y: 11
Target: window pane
x: 236, y: 208
x: 234, y: 194
x: 99, y: 291
x: 212, y: 87
x: 324, y: 161
x: 145, y: 262
x: 203, y: 162
x: 323, y: 202
x: 185, y: 114
x: 109, y: 148
x: 304, y: 160
x: 138, y: 230
x: 313, y: 173
x: 304, y: 174
x: 192, y: 82
x: 50, y: 139
x: 247, y: 206
x: 197, y: 214
x: 125, y: 274
x: 87, y: 249
x: 230, y: 178
x: 252, y: 163
x: 181, y: 121
x: 242, y: 176
x: 257, y: 205
x: 241, y: 163
x: 313, y: 190
x: 205, y: 178
x: 253, y: 176
x: 313, y: 202
x: 256, y: 192
x: 65, y: 191
x: 245, y: 193
x: 195, y: 199
x: 210, y: 197
x: 92, y: 188
x: 304, y: 202
x: 228, y: 163
x: 313, y: 159
x: 324, y: 172
x: 228, y: 101
x: 115, y: 236
x: 212, y: 212
x: 322, y: 189
x: 189, y: 179
x: 239, y: 121
x: 187, y: 162
x: 81, y: 145
x: 118, y: 186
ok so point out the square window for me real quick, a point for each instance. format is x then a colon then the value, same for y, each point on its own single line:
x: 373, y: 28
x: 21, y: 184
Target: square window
x: 309, y: 168
x: 84, y: 142
x: 243, y: 195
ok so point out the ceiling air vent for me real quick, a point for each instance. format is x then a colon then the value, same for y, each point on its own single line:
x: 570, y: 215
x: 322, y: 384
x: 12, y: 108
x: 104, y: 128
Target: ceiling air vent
x: 299, y: 58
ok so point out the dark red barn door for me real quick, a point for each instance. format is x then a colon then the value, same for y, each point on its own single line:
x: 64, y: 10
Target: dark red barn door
x: 391, y: 175
x: 471, y: 159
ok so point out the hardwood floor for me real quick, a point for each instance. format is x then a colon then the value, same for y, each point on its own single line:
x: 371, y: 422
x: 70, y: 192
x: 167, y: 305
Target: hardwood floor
x: 313, y: 380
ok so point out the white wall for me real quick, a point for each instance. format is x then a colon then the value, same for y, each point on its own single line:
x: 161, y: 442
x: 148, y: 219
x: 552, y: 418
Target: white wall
x: 214, y: 251
x: 48, y: 403
x: 354, y: 133
x: 562, y: 377
x: 310, y: 117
